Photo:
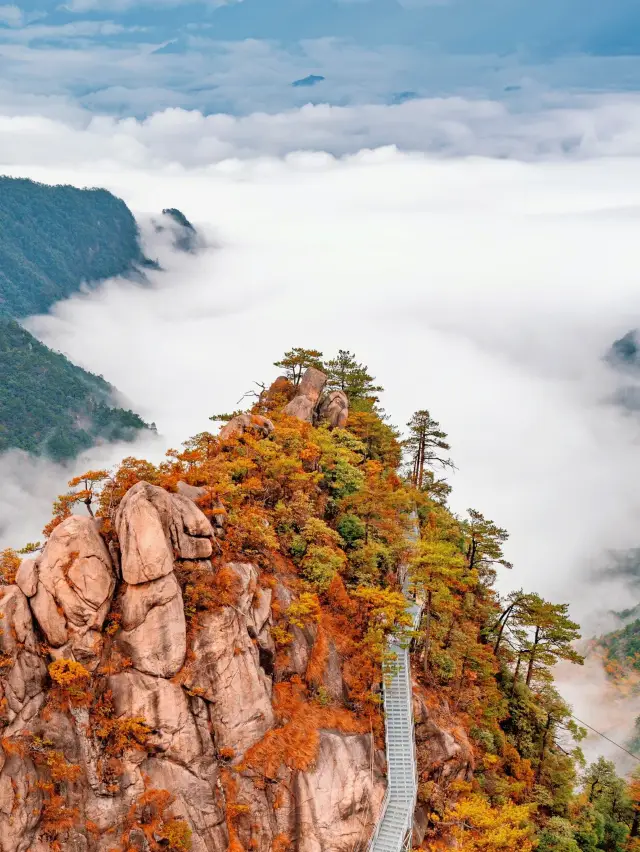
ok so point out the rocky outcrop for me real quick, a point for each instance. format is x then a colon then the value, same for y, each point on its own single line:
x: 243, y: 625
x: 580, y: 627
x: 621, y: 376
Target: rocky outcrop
x: 304, y: 404
x: 155, y: 527
x: 154, y: 630
x: 309, y: 403
x: 22, y: 670
x: 334, y: 410
x: 339, y: 800
x: 203, y: 696
x: 444, y: 755
x: 260, y: 426
x: 226, y: 670
x: 70, y: 587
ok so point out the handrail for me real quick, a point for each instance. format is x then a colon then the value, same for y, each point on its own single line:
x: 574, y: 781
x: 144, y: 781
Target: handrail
x: 394, y: 828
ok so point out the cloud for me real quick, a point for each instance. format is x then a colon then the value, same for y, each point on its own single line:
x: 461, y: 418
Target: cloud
x: 578, y: 128
x: 13, y: 16
x: 111, y: 6
x: 65, y: 32
x: 138, y: 66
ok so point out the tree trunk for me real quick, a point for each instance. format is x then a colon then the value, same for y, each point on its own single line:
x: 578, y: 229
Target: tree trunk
x: 447, y: 639
x: 471, y: 552
x: 421, y: 455
x: 427, y: 635
x: 635, y: 825
x: 545, y: 737
x: 515, y: 674
x: 505, y: 617
x: 533, y: 656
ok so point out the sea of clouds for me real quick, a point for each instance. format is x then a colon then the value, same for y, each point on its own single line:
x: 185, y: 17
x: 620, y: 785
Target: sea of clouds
x: 485, y: 288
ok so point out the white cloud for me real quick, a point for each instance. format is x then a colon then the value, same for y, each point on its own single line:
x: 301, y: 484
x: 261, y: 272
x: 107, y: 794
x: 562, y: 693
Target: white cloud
x: 13, y: 16
x: 582, y: 128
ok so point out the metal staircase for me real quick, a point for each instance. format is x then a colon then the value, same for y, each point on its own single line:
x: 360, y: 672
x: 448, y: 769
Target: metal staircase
x: 394, y: 828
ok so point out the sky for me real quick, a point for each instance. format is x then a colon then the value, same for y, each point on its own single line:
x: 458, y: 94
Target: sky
x: 135, y: 57
x: 457, y: 202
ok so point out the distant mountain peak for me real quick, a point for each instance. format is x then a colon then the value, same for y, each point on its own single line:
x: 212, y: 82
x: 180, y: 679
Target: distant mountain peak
x: 310, y: 80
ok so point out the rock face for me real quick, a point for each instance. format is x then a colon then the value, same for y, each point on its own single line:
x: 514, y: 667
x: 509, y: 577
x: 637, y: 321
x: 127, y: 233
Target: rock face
x: 255, y: 423
x: 341, y: 798
x: 334, y: 410
x: 227, y: 670
x: 310, y: 405
x: 154, y: 630
x: 70, y: 587
x: 199, y: 698
x: 23, y: 672
x: 154, y: 527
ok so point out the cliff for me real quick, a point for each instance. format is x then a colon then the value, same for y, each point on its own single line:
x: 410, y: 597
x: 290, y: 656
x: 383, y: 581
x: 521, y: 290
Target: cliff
x: 200, y: 665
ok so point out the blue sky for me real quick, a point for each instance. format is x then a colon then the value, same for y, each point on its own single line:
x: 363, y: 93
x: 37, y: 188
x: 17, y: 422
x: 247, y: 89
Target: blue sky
x: 135, y: 57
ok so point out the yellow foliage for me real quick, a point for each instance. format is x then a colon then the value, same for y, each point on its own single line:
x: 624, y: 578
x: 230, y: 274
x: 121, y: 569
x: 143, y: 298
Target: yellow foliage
x: 479, y: 827
x: 306, y: 608
x: 9, y: 564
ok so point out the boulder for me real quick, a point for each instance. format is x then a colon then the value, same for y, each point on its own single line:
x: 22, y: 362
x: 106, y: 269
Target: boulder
x: 334, y: 410
x: 27, y: 577
x: 304, y: 404
x: 256, y: 424
x: 154, y: 630
x: 155, y: 527
x: 70, y: 586
x: 22, y: 671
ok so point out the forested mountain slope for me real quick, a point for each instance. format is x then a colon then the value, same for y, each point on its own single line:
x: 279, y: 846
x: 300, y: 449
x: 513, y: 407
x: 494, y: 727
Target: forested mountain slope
x: 50, y: 406
x: 55, y: 238
x: 199, y: 667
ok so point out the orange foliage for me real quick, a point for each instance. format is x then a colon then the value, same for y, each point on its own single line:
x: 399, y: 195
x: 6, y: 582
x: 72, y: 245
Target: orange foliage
x: 295, y: 743
x: 281, y: 843
x: 318, y: 657
x: 117, y: 734
x: 9, y: 564
x: 161, y: 830
x: 233, y: 809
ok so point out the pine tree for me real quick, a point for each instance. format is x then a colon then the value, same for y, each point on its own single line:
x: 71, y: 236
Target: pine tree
x: 297, y: 360
x: 426, y: 443
x: 484, y: 545
x: 552, y: 635
x: 346, y: 374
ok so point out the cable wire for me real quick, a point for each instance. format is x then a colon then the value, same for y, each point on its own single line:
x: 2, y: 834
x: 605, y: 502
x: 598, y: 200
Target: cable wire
x: 608, y: 739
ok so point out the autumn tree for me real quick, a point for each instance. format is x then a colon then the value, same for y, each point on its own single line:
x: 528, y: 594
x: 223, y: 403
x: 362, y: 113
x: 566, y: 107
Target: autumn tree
x: 551, y: 637
x: 346, y: 374
x: 427, y: 447
x: 434, y: 571
x: 484, y: 545
x: 479, y: 827
x: 297, y: 360
x: 516, y: 608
